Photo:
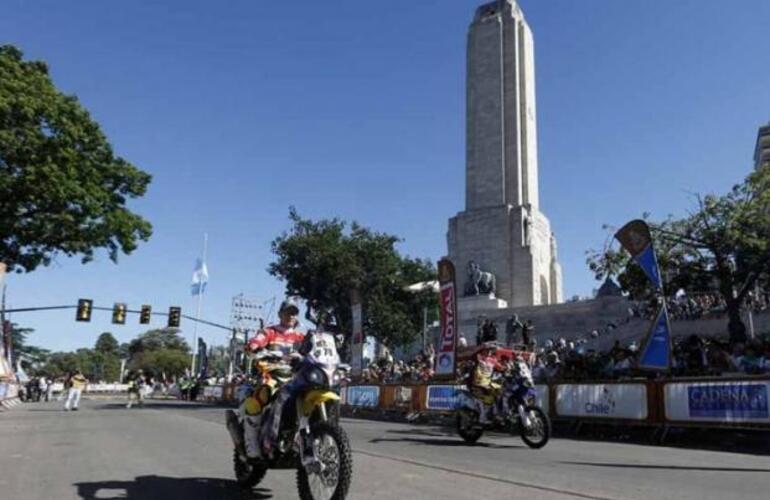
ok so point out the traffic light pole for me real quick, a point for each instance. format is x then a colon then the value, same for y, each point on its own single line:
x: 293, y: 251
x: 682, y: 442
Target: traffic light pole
x: 4, y: 311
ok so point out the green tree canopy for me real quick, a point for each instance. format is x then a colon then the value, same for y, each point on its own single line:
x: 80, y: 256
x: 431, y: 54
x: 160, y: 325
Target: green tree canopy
x: 107, y: 344
x: 324, y: 261
x: 723, y: 245
x: 63, y: 190
x: 155, y: 340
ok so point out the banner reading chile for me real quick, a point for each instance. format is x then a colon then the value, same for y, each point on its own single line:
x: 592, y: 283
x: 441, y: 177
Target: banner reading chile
x: 637, y: 240
x: 446, y: 356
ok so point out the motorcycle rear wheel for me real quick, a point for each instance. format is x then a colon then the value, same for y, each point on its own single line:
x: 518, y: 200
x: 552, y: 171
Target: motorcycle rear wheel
x: 248, y: 474
x: 470, y: 434
x: 334, y: 451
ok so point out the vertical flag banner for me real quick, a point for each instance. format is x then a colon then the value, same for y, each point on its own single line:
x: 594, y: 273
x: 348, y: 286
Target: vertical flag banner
x: 203, y: 358
x: 200, y: 278
x: 447, y: 349
x: 656, y: 349
x: 357, y: 339
x: 637, y: 240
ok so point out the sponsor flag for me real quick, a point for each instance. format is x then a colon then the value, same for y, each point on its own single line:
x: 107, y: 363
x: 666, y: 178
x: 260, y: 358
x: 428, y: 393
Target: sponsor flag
x: 200, y: 278
x: 637, y: 240
x: 447, y: 349
x: 656, y: 351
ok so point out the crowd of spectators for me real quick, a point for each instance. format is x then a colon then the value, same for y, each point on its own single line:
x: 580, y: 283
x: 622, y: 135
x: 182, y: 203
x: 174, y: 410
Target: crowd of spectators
x: 386, y: 369
x: 692, y: 356
x: 689, y: 307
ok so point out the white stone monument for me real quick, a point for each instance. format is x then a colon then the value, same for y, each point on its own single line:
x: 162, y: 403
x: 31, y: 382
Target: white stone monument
x: 502, y: 228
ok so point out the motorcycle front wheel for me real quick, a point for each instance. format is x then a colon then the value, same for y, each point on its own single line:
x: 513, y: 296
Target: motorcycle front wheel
x: 539, y: 431
x: 248, y: 474
x: 329, y: 480
x: 467, y: 426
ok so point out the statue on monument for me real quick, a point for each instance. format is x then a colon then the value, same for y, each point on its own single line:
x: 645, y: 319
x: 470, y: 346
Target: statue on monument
x: 479, y: 282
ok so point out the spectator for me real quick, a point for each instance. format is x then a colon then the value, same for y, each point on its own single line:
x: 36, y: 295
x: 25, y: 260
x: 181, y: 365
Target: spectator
x: 77, y: 383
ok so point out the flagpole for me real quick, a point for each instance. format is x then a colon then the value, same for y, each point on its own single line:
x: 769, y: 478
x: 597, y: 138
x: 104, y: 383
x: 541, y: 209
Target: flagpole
x: 198, y: 310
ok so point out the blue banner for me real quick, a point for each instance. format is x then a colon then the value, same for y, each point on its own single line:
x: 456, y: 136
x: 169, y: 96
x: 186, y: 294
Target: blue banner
x: 656, y: 353
x: 649, y: 265
x: 728, y: 400
x: 363, y: 395
x: 444, y: 397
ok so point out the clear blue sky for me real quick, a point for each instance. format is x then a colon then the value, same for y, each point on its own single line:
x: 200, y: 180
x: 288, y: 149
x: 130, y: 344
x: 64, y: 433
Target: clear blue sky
x: 356, y: 109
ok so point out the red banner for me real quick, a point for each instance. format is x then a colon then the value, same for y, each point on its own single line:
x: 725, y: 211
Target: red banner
x: 447, y: 355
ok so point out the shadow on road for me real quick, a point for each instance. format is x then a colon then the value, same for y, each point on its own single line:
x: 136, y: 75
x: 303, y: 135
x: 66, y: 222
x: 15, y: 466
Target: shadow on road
x: 159, y: 405
x: 165, y: 488
x: 669, y: 467
x: 443, y: 442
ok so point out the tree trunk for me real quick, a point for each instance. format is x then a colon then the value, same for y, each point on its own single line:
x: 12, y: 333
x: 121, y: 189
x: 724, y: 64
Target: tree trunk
x: 735, y: 326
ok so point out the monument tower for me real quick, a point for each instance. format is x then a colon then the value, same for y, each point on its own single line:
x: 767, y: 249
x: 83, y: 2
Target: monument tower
x: 502, y: 229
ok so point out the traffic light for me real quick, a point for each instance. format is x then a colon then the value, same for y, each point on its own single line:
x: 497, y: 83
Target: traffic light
x: 174, y: 317
x: 84, y: 310
x: 144, y: 315
x: 119, y: 313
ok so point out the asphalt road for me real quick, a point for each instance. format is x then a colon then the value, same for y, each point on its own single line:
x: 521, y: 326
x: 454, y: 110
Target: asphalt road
x: 171, y: 450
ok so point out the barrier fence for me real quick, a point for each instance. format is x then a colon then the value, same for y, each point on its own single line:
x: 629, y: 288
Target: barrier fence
x: 740, y: 402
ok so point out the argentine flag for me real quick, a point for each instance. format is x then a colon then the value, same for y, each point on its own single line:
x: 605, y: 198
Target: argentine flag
x: 200, y: 278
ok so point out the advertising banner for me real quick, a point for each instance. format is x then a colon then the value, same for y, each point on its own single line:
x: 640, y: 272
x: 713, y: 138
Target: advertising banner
x: 363, y: 395
x: 357, y: 339
x: 619, y: 401
x: 403, y: 396
x: 725, y: 402
x: 443, y: 397
x: 447, y: 349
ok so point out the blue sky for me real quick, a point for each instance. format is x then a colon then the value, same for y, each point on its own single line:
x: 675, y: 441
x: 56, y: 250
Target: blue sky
x: 356, y: 109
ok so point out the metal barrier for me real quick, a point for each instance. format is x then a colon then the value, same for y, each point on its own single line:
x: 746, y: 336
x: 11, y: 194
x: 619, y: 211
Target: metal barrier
x: 738, y: 402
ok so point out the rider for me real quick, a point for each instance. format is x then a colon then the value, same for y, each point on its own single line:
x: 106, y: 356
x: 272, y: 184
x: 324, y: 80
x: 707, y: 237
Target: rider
x: 288, y: 391
x: 482, y: 386
x: 282, y: 337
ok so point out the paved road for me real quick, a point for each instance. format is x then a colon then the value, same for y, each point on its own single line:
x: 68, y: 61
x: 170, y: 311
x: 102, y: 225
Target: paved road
x: 171, y: 450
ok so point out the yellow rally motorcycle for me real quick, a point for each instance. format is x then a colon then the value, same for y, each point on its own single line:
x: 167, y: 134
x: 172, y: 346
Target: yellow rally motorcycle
x: 310, y: 438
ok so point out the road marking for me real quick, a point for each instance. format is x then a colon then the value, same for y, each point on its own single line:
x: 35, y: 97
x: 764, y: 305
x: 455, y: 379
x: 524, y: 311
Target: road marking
x: 484, y: 476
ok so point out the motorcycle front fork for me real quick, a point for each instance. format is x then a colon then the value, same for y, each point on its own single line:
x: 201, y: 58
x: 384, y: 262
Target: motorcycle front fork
x: 305, y: 440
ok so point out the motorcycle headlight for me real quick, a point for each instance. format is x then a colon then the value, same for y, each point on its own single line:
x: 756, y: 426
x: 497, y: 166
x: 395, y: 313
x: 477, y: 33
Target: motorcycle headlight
x: 316, y: 376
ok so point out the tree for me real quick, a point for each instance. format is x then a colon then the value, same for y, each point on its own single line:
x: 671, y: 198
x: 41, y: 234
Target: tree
x: 722, y: 244
x: 29, y: 356
x: 161, y: 362
x: 162, y: 352
x: 155, y: 340
x: 106, y: 356
x: 107, y: 344
x: 324, y: 261
x: 63, y: 188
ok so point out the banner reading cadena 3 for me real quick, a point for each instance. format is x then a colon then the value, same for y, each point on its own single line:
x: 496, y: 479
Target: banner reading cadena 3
x: 446, y: 355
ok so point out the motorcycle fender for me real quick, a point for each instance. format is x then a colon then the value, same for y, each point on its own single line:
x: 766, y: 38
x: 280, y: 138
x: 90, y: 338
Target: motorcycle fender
x: 316, y: 398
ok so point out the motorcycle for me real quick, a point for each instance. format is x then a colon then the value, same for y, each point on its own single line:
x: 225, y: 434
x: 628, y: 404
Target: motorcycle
x: 510, y: 406
x: 310, y: 438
